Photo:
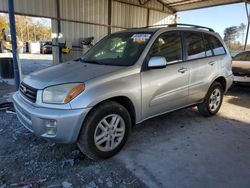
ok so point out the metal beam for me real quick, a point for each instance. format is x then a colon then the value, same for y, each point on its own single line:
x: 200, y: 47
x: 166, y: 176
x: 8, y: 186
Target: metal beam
x: 58, y: 14
x: 182, y: 2
x: 148, y: 16
x: 141, y: 6
x: 14, y: 43
x: 188, y: 2
x: 248, y: 24
x: 109, y: 16
x: 205, y: 6
x: 170, y: 8
x: 143, y: 3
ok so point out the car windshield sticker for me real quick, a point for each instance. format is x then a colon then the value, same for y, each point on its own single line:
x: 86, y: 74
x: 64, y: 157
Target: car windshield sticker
x: 140, y: 38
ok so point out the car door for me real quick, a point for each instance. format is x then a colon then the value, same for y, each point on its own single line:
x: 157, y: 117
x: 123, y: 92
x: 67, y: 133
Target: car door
x: 165, y: 89
x: 204, y: 66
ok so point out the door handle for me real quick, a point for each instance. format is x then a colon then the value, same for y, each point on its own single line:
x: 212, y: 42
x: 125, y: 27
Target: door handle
x: 211, y: 63
x: 182, y: 70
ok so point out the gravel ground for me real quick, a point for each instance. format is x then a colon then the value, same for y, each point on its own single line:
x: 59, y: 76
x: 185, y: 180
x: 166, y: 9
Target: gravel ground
x: 23, y: 156
x: 179, y: 149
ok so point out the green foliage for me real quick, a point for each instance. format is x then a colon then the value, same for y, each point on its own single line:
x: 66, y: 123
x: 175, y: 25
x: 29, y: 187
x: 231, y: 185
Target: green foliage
x: 3, y: 24
x: 26, y: 28
x: 234, y: 36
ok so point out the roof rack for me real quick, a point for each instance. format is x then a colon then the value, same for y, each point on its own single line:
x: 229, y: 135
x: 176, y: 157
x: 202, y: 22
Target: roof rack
x: 180, y: 24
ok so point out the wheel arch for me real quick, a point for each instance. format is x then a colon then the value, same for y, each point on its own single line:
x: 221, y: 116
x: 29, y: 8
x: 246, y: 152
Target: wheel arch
x: 124, y: 101
x: 222, y: 80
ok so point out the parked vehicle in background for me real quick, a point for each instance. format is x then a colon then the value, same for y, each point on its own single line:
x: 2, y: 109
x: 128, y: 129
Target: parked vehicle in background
x: 46, y: 47
x: 241, y: 67
x: 126, y: 78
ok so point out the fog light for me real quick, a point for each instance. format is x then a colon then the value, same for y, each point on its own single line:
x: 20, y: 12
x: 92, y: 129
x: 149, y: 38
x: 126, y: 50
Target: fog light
x: 51, y: 127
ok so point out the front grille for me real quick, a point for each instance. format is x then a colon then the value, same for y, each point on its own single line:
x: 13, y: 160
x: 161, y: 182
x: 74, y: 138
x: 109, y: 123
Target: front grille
x: 241, y: 74
x: 28, y: 92
x: 241, y: 71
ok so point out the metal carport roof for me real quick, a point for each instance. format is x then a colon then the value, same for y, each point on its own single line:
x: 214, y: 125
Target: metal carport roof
x: 182, y: 5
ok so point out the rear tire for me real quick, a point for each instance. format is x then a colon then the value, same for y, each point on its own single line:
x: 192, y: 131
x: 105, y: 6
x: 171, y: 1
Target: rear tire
x: 105, y: 131
x: 212, y: 101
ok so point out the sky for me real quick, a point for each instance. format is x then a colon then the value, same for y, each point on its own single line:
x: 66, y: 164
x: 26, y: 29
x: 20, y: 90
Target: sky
x: 218, y: 18
x: 44, y: 21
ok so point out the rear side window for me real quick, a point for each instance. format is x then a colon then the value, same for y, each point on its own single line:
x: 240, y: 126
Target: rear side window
x: 216, y: 45
x: 208, y: 47
x: 194, y: 45
x: 168, y: 45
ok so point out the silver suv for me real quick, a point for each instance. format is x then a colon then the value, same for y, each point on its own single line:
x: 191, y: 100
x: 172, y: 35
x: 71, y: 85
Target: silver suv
x: 126, y: 78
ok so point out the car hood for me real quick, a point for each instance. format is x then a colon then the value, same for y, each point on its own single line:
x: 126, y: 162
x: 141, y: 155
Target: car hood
x: 67, y: 73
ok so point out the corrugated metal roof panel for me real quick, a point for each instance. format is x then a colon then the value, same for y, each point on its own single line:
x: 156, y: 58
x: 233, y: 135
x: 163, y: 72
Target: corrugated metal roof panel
x: 74, y: 31
x: 86, y: 10
x: 154, y: 5
x: 44, y: 8
x: 126, y: 16
x: 95, y: 11
x: 158, y: 18
x: 3, y: 5
x: 113, y: 29
x: 181, y: 5
x: 149, y: 4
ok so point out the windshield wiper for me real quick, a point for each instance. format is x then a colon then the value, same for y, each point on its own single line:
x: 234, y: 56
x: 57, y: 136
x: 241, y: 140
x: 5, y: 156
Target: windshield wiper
x: 91, y: 61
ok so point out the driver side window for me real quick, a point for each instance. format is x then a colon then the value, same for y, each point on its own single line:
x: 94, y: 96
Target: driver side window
x: 168, y: 45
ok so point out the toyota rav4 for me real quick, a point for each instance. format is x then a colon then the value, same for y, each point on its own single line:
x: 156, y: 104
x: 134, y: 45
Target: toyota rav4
x: 126, y: 78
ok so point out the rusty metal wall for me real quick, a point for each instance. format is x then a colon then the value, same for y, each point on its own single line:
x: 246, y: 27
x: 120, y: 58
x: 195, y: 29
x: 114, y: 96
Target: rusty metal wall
x: 85, y: 18
x: 155, y: 5
x: 128, y: 16
x: 113, y: 29
x: 44, y: 8
x: 158, y: 18
x: 73, y: 31
x: 81, y: 11
x: 47, y: 8
x: 94, y: 11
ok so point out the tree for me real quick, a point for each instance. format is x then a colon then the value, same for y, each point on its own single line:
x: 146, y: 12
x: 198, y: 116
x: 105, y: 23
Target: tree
x: 242, y: 29
x: 234, y: 36
x: 3, y: 24
x: 230, y: 35
x: 27, y: 28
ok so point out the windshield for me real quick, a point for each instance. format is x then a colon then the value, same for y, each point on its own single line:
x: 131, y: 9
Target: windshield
x: 119, y: 49
x: 244, y: 56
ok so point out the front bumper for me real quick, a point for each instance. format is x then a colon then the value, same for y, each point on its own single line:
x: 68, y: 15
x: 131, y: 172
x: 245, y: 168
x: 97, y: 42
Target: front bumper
x: 68, y: 122
x: 243, y: 79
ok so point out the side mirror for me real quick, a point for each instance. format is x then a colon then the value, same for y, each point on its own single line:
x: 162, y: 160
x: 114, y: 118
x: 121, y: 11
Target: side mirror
x: 157, y: 62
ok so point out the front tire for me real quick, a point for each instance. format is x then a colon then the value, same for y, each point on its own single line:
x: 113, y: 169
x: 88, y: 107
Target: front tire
x: 212, y: 101
x: 105, y: 131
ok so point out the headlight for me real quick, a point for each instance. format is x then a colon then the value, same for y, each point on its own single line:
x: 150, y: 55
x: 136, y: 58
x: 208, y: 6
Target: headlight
x: 61, y: 94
